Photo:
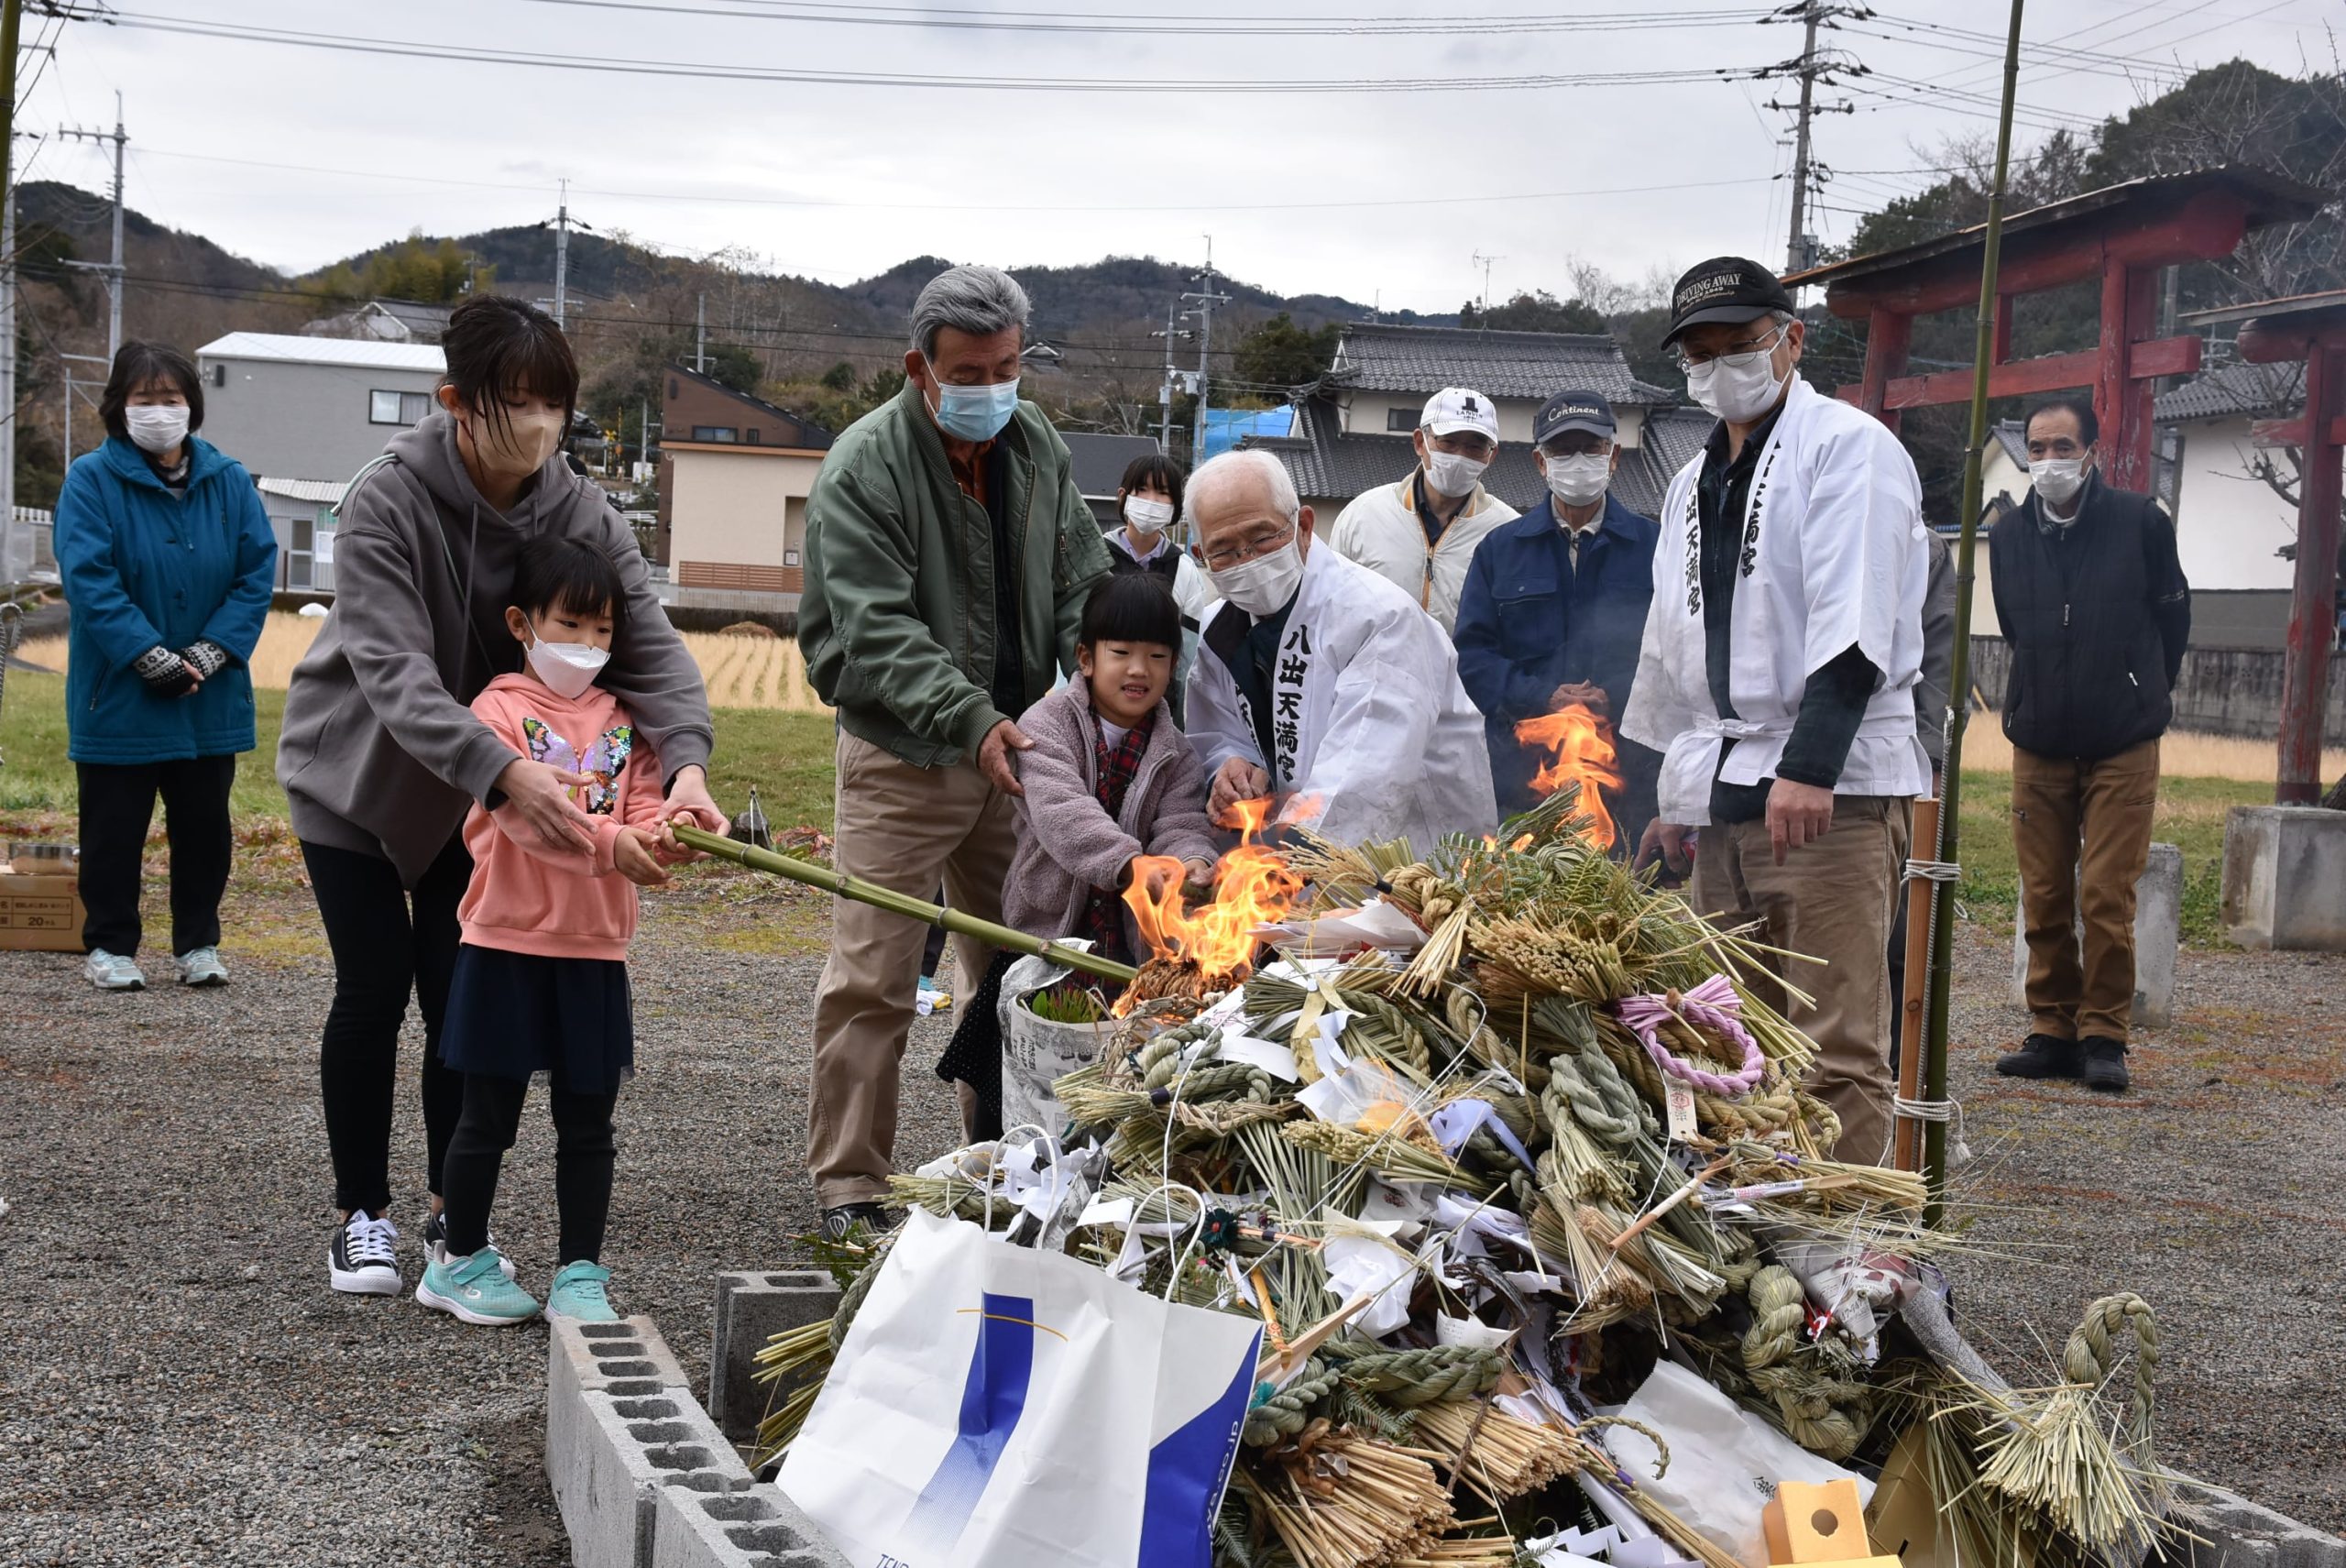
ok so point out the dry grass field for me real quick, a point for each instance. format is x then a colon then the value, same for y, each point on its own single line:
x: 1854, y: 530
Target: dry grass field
x: 2181, y: 756
x: 743, y: 671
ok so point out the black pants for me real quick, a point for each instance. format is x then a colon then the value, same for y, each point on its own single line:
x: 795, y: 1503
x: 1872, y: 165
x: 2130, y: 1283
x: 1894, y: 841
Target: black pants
x: 117, y: 803
x: 584, y: 1155
x: 386, y: 942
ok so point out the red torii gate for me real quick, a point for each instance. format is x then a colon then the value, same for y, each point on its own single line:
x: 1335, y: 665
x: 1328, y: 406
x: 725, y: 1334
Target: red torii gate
x: 2311, y: 328
x: 2123, y: 234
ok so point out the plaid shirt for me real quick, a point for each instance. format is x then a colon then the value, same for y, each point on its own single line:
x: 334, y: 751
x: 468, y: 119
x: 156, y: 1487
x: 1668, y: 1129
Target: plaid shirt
x: 1118, y: 765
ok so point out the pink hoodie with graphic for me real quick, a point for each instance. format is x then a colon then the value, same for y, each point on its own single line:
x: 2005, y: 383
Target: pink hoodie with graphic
x: 526, y: 897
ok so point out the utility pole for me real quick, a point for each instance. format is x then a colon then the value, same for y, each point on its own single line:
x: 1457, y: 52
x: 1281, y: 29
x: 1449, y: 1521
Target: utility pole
x: 562, y: 255
x: 1811, y: 68
x: 112, y: 269
x: 1485, y: 263
x: 12, y: 566
x: 1206, y: 299
x: 1165, y: 393
x: 700, y: 333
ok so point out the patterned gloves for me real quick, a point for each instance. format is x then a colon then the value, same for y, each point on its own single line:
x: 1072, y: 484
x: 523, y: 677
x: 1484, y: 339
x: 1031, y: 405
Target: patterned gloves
x: 206, y: 658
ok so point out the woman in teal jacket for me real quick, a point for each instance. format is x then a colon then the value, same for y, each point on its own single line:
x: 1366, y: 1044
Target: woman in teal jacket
x: 168, y: 561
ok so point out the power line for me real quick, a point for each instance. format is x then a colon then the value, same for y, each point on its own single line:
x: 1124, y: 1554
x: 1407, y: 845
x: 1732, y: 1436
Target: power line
x: 708, y: 72
x: 804, y: 11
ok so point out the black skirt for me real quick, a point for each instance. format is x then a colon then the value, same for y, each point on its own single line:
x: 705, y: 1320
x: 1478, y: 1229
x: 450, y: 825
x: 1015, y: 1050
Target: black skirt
x: 512, y: 1014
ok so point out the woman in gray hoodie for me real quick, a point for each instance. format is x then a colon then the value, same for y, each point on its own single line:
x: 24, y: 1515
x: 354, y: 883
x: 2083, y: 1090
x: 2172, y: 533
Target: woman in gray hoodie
x: 382, y: 756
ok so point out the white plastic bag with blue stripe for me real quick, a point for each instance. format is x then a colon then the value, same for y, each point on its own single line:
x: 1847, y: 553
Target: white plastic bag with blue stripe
x: 994, y: 1406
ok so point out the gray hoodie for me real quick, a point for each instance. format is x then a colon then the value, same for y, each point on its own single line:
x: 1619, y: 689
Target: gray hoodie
x: 380, y: 751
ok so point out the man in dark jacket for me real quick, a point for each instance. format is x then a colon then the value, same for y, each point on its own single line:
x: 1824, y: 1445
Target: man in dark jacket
x: 948, y: 557
x: 1554, y: 608
x: 2094, y: 606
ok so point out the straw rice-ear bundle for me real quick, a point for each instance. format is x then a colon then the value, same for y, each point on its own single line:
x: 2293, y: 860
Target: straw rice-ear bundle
x: 1499, y: 1453
x: 2054, y: 1452
x: 1338, y: 1499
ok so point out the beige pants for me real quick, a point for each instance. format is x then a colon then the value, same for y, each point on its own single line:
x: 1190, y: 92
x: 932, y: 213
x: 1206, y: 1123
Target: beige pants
x: 905, y: 828
x: 1831, y: 900
x: 2081, y: 832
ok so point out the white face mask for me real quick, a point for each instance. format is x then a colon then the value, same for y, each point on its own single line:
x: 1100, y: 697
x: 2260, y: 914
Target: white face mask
x: 1453, y: 476
x: 1147, y: 517
x: 1579, y: 479
x: 567, y: 668
x: 1737, y: 387
x: 155, y: 427
x: 1263, y: 584
x: 2059, y: 479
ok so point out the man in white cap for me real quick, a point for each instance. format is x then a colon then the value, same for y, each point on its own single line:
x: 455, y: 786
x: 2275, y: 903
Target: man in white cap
x: 1420, y: 534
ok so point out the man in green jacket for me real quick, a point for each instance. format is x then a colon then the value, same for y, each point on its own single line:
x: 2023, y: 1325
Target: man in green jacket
x: 948, y: 554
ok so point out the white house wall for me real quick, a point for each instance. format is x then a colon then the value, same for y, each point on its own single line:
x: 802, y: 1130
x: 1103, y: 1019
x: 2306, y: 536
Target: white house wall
x: 2227, y: 526
x: 739, y: 509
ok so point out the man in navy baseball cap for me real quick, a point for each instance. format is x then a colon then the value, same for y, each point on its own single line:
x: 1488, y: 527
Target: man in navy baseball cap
x: 1554, y: 606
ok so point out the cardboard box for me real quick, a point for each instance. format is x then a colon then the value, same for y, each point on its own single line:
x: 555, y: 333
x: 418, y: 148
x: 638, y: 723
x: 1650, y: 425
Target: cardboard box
x: 40, y: 913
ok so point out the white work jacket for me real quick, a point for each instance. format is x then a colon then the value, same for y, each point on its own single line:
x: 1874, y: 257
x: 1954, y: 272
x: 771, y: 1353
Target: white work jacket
x: 1833, y: 553
x: 1379, y: 529
x: 1373, y: 738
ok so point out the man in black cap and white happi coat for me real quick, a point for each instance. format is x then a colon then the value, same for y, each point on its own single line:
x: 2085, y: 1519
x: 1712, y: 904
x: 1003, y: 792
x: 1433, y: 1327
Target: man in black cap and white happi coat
x: 1778, y: 670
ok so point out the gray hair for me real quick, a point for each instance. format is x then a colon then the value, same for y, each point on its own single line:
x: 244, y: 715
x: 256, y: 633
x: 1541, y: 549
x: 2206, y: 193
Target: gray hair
x: 1231, y: 466
x: 977, y: 300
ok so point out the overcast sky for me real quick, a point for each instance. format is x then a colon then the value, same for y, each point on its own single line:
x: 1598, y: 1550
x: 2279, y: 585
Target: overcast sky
x: 297, y: 156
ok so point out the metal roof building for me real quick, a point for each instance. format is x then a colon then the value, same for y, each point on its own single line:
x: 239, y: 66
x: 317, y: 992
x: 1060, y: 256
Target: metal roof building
x: 354, y: 353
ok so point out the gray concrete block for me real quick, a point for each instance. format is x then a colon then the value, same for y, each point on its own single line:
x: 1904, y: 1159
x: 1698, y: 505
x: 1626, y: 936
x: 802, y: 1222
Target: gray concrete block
x: 752, y: 1307
x: 757, y: 1528
x: 2236, y: 1533
x: 2284, y: 869
x: 2158, y: 932
x: 609, y: 1455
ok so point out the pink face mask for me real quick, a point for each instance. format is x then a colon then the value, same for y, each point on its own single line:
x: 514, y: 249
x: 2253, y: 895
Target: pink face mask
x: 518, y: 446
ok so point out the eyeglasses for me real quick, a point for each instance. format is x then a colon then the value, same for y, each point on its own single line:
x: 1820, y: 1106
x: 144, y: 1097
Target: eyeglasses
x: 1261, y: 542
x: 1586, y: 446
x: 1479, y: 447
x: 1741, y: 357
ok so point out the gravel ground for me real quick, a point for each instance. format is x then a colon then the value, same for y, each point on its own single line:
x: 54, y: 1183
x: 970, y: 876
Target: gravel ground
x: 182, y: 1386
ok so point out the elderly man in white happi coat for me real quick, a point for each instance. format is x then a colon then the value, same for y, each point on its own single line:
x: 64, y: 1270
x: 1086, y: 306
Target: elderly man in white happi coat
x: 1778, y: 671
x: 1319, y: 681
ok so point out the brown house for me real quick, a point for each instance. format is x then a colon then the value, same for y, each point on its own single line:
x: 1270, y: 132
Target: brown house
x: 734, y: 475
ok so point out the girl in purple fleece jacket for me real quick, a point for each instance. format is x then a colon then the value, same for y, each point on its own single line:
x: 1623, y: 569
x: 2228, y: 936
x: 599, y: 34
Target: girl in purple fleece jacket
x: 1110, y: 785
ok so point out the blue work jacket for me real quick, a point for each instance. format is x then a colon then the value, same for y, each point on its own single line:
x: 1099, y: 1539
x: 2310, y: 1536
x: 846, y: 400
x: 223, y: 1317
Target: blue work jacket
x: 143, y: 567
x: 1527, y: 623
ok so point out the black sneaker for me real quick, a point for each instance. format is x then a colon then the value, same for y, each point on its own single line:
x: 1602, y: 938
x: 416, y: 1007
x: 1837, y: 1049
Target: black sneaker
x: 2042, y: 1055
x: 435, y: 1234
x: 2105, y: 1066
x: 359, y: 1260
x: 842, y: 1221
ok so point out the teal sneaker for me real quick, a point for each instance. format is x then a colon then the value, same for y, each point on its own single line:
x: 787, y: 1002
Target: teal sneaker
x: 578, y: 1294
x: 474, y: 1288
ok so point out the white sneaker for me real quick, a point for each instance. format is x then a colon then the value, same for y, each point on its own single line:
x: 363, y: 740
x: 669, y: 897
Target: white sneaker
x: 359, y: 1260
x: 202, y: 967
x: 113, y: 971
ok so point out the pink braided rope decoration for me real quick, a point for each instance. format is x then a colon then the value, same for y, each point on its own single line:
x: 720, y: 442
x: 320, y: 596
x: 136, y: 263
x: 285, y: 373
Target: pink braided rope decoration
x: 1714, y: 1002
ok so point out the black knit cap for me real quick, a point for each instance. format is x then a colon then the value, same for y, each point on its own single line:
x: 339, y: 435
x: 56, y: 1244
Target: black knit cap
x: 1723, y: 288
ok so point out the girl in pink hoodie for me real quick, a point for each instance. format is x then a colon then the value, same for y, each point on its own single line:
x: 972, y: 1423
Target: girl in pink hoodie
x: 541, y: 982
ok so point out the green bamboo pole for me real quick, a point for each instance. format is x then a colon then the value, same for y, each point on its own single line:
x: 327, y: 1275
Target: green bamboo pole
x: 872, y: 894
x: 1960, y: 677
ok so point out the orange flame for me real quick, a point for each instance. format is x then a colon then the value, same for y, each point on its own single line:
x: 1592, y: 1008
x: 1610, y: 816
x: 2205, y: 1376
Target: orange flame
x: 1582, y: 752
x: 1253, y: 887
